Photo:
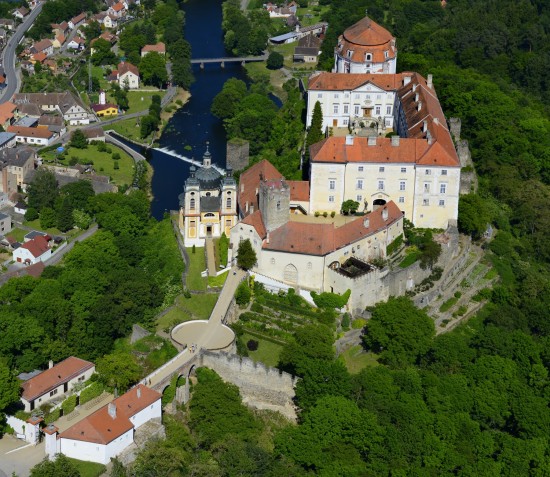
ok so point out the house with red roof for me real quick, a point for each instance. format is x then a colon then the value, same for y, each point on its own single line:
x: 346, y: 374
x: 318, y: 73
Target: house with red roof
x: 33, y: 251
x: 128, y: 75
x: 159, y: 48
x: 55, y: 381
x: 108, y: 431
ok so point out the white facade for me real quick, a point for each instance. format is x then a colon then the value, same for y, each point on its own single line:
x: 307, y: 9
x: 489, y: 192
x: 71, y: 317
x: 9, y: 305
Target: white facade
x: 21, y: 255
x: 94, y: 452
x: 344, y: 64
x: 128, y: 79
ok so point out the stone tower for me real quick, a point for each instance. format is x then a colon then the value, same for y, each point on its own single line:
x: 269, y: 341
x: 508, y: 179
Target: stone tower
x: 237, y: 154
x: 274, y: 203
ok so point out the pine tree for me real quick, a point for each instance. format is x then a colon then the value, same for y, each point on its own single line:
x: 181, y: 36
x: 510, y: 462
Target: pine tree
x: 315, y: 133
x: 246, y: 256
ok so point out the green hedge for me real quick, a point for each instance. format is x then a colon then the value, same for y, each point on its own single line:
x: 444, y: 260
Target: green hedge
x: 223, y: 245
x: 69, y: 404
x: 330, y: 300
x: 91, y: 392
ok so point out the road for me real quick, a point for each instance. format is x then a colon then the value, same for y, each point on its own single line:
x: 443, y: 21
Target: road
x: 8, y: 55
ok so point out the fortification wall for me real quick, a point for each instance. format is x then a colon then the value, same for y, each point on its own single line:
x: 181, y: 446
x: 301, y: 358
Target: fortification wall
x: 261, y: 387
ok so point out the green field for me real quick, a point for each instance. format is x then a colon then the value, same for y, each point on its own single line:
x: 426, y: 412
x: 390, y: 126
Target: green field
x: 198, y: 307
x: 267, y: 352
x: 18, y: 234
x: 356, y: 359
x: 102, y: 161
x: 217, y: 281
x: 128, y: 128
x: 197, y: 265
x: 141, y: 100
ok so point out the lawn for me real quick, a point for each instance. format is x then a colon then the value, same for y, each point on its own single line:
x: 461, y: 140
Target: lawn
x: 129, y: 128
x: 197, y: 265
x: 356, y: 359
x: 35, y: 225
x: 18, y: 234
x: 198, y: 307
x: 88, y: 469
x: 217, y: 281
x: 103, y: 162
x: 141, y: 100
x: 267, y: 352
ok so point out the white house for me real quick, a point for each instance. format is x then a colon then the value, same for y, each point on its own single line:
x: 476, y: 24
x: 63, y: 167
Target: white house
x: 108, y: 431
x: 42, y: 46
x: 128, y: 75
x: 32, y: 136
x: 76, y: 43
x: 21, y: 13
x: 55, y: 381
x: 33, y: 251
x: 72, y: 109
x: 77, y: 21
x: 5, y: 224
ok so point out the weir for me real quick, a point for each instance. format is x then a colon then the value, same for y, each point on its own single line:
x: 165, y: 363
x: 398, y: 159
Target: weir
x: 165, y: 150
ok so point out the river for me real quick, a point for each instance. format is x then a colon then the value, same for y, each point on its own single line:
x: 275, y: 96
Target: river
x: 193, y: 125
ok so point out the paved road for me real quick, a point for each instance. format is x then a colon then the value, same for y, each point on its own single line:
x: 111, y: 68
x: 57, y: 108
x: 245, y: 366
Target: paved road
x: 8, y: 55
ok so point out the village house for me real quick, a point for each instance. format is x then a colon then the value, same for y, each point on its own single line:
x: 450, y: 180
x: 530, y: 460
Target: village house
x: 71, y: 109
x: 5, y: 224
x: 29, y: 253
x: 365, y: 47
x: 108, y: 431
x: 106, y: 109
x: 77, y: 21
x: 32, y: 136
x: 7, y: 140
x: 58, y: 41
x: 52, y: 122
x: 19, y: 163
x: 56, y: 380
x: 308, y: 49
x: 128, y: 75
x: 7, y: 114
x: 208, y: 205
x: 94, y: 134
x: 21, y: 13
x: 159, y: 48
x: 110, y: 21
x: 42, y: 46
x: 117, y: 10
x: 77, y: 43
x: 60, y: 28
x: 7, y: 23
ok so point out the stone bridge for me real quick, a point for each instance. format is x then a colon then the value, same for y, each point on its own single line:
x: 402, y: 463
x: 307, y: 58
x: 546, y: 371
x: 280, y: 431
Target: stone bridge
x: 222, y: 61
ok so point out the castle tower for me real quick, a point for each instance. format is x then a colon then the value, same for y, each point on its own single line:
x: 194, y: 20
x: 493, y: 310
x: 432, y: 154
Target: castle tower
x: 274, y: 203
x: 366, y: 47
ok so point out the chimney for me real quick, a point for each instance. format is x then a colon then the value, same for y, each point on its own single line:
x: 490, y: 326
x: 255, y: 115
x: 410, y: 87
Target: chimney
x: 242, y: 187
x: 429, y: 137
x: 406, y: 80
x: 436, y: 121
x: 424, y: 125
x: 50, y: 364
x: 246, y: 206
x: 251, y: 208
x: 385, y: 213
x: 371, y: 141
x: 111, y: 409
x: 419, y: 107
x: 430, y: 81
x: 416, y: 97
x: 349, y: 140
x: 366, y: 223
x: 138, y: 392
x: 395, y: 140
x: 267, y: 238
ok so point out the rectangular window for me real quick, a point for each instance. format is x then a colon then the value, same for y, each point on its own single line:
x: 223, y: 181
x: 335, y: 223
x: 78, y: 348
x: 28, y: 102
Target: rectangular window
x: 357, y: 95
x: 428, y: 172
x: 442, y: 188
x: 335, y: 108
x: 403, y: 169
x: 441, y: 203
x: 381, y: 169
x: 444, y: 172
x: 331, y: 198
x: 377, y: 112
x: 401, y: 200
x: 426, y: 188
x: 319, y: 95
x: 402, y: 185
x: 335, y: 95
x: 359, y: 184
x: 359, y: 198
x: 332, y: 184
x: 388, y: 110
x: 356, y: 110
x: 53, y: 393
x: 360, y: 168
x: 426, y: 202
x: 346, y: 108
x: 345, y: 122
x: 380, y: 185
x: 378, y: 96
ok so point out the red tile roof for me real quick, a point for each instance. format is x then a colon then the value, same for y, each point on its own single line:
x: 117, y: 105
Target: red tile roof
x: 118, y: 7
x: 322, y: 239
x: 344, y: 82
x: 79, y: 18
x: 299, y: 190
x: 364, y: 37
x: 255, y: 219
x: 125, y: 67
x: 51, y: 378
x: 159, y: 48
x: 249, y: 182
x: 37, y: 246
x: 30, y: 132
x: 42, y: 45
x: 102, y: 107
x: 40, y: 57
x: 6, y: 111
x: 101, y: 428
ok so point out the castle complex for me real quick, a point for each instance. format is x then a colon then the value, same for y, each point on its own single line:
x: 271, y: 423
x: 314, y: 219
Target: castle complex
x: 387, y: 147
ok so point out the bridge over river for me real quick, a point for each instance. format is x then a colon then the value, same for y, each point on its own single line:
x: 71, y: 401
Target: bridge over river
x: 222, y: 61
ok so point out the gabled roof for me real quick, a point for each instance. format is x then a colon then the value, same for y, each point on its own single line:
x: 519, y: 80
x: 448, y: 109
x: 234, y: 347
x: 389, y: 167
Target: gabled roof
x: 322, y: 239
x: 51, y: 378
x: 79, y: 18
x: 101, y: 428
x: 41, y: 45
x: 40, y: 57
x: 102, y: 107
x: 6, y: 111
x: 299, y: 190
x: 117, y: 7
x: 256, y: 220
x: 40, y: 133
x: 124, y: 68
x: 249, y: 182
x: 37, y: 246
x: 158, y: 48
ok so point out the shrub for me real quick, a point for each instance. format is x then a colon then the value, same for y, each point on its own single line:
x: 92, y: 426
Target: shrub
x: 116, y: 156
x: 458, y: 294
x: 31, y: 214
x: 358, y: 323
x: 345, y: 321
x: 91, y: 392
x: 193, y: 249
x: 317, y: 213
x: 325, y: 214
x: 332, y: 214
x: 330, y: 300
x: 116, y: 166
x: 252, y: 345
x: 73, y: 161
x: 223, y: 245
x: 243, y: 294
x: 101, y: 146
x: 392, y: 247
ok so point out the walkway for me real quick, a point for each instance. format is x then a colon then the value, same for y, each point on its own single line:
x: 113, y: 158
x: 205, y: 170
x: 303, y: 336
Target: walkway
x: 206, y: 337
x: 210, y: 257
x: 231, y: 59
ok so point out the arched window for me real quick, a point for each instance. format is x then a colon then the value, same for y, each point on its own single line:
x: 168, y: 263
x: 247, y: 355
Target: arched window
x: 368, y: 57
x: 208, y: 194
x: 192, y: 204
x: 209, y: 215
x: 290, y: 273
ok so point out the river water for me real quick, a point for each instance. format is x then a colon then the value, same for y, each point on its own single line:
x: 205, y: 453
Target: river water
x: 193, y: 125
